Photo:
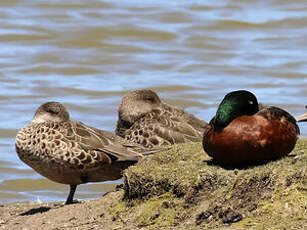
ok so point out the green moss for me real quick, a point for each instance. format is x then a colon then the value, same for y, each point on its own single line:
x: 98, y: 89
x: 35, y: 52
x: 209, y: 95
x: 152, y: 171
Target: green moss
x: 180, y: 171
x: 161, y: 211
x: 182, y: 188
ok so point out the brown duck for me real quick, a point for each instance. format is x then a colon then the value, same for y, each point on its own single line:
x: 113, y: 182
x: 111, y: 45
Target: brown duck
x: 145, y: 119
x: 241, y: 133
x: 70, y: 152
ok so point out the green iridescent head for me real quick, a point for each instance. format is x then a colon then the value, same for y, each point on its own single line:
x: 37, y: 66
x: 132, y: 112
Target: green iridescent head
x: 234, y: 104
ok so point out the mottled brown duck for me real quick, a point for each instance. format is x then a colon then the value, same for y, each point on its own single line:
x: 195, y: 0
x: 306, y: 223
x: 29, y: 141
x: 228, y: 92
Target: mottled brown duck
x: 145, y: 119
x: 70, y: 152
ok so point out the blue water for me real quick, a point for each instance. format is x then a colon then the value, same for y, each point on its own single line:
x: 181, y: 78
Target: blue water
x: 88, y: 54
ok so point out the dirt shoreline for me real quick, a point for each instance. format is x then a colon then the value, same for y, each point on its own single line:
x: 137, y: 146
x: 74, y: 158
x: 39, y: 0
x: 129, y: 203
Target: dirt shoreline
x: 91, y: 214
x: 181, y: 189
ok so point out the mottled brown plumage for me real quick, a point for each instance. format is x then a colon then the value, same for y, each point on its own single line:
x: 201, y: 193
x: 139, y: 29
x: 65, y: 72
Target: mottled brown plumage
x: 71, y: 152
x: 144, y: 119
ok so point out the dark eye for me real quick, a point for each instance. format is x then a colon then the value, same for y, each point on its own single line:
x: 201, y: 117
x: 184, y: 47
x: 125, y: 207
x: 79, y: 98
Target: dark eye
x: 150, y: 100
x: 53, y: 110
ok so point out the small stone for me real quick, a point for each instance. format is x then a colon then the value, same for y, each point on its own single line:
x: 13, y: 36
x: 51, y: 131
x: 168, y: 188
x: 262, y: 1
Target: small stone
x: 165, y: 204
x: 230, y: 216
x: 201, y: 217
x: 155, y: 215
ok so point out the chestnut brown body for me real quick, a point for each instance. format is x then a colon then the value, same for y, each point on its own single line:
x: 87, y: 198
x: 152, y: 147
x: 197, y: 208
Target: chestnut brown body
x: 269, y: 134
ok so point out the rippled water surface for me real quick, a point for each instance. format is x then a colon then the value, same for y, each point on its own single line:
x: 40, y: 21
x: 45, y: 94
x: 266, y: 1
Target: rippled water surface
x: 87, y: 54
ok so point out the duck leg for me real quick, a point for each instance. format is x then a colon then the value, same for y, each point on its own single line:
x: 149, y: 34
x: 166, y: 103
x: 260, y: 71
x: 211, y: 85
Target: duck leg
x: 70, y: 198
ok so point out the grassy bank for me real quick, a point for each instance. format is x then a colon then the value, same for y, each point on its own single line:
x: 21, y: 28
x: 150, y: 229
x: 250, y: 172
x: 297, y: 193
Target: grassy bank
x: 182, y: 189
